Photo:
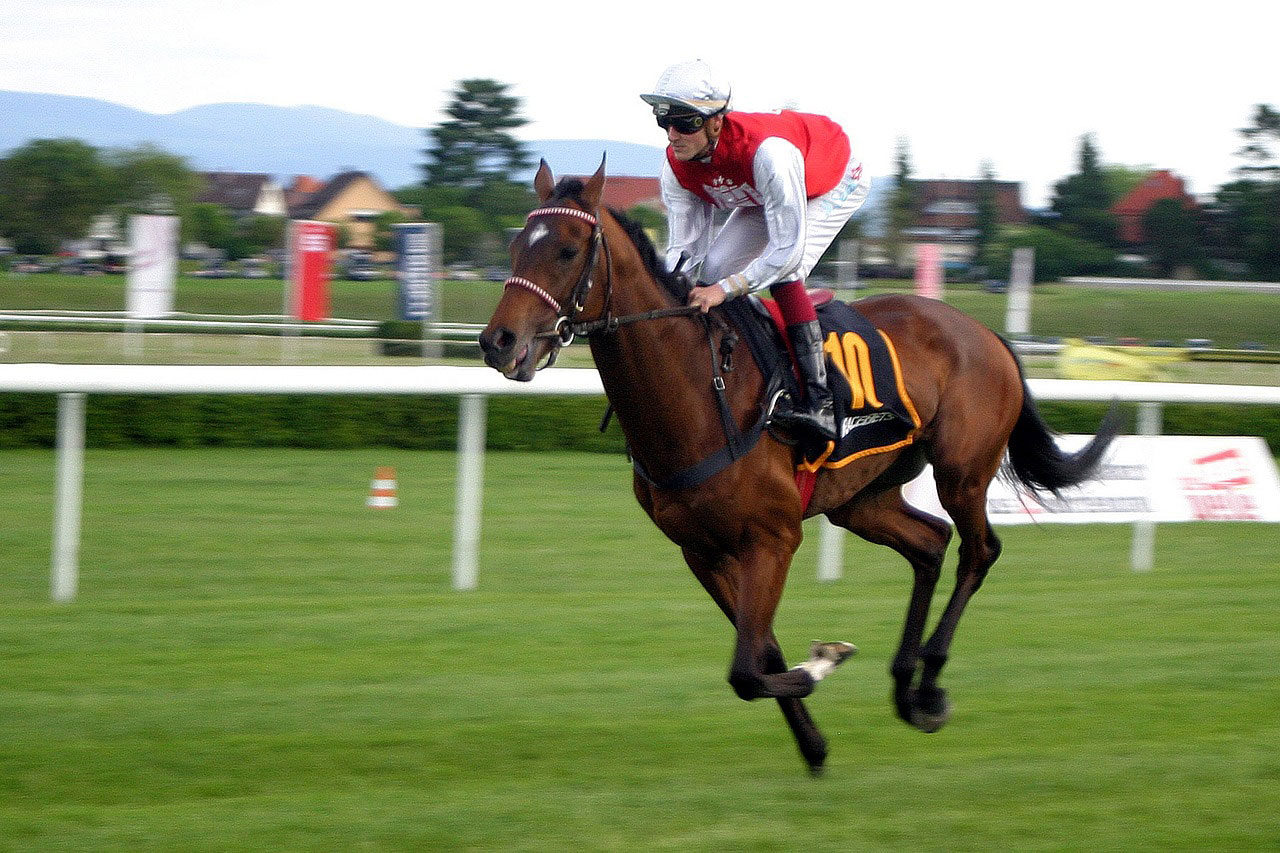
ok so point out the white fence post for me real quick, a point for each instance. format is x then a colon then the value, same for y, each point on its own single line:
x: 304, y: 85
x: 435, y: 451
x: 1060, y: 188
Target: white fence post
x: 466, y: 521
x: 71, y: 382
x: 64, y: 579
x: 1142, y: 551
x: 830, y: 550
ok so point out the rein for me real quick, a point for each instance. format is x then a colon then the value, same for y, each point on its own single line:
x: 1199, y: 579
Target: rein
x: 568, y: 326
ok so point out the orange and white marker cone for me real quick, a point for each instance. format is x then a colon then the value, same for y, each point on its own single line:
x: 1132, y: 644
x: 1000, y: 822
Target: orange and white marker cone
x: 382, y: 491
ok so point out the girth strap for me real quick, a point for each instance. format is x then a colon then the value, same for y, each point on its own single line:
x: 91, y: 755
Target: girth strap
x: 738, y: 444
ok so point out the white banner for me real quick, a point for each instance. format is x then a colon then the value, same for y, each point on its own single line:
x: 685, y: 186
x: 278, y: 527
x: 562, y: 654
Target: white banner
x: 1159, y: 478
x: 153, y: 266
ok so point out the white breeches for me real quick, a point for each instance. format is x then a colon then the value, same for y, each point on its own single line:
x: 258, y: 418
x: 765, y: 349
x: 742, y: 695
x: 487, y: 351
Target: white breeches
x: 744, y: 236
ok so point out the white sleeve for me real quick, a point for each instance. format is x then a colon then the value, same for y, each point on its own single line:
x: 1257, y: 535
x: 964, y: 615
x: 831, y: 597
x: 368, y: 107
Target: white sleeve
x: 778, y: 170
x: 688, y: 223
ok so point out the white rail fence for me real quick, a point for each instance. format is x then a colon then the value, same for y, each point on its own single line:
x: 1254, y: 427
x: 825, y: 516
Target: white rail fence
x: 473, y: 384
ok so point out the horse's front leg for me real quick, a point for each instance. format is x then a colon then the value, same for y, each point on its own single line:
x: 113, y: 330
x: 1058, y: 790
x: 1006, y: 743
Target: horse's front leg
x: 757, y: 576
x: 720, y: 585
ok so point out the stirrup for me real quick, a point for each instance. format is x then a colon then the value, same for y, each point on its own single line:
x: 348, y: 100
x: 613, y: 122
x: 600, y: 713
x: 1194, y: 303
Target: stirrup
x: 820, y: 422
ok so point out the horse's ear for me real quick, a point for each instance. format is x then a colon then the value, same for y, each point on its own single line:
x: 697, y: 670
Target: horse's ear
x: 543, y: 183
x: 592, y: 192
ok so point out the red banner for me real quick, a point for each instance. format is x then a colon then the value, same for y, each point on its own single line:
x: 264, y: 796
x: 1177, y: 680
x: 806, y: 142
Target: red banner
x: 310, y: 247
x: 929, y: 270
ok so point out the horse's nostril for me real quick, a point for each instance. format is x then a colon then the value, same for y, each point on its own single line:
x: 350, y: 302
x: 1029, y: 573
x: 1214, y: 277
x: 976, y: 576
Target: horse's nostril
x: 498, y: 342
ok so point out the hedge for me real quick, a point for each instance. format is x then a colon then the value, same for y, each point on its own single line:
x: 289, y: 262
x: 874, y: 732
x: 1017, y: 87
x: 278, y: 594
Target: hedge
x: 514, y: 423
x: 321, y: 421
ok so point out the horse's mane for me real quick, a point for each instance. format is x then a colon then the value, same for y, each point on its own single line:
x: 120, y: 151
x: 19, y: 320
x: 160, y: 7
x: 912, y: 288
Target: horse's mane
x: 676, y: 286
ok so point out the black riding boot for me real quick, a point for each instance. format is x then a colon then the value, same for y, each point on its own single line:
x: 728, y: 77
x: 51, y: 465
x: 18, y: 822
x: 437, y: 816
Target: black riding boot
x: 817, y: 415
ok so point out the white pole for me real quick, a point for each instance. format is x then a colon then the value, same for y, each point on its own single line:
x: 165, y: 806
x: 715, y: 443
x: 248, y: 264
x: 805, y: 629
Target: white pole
x: 830, y: 551
x: 70, y: 481
x: 1017, y: 315
x: 1142, y: 552
x: 466, y: 523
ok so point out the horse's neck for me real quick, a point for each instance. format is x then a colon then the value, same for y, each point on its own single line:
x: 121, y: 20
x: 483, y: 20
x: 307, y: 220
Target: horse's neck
x: 657, y: 373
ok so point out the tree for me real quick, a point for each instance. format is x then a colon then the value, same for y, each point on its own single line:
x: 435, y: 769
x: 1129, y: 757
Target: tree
x: 1122, y: 180
x: 1245, y: 217
x: 259, y: 233
x: 212, y: 225
x: 1173, y: 236
x: 50, y: 190
x: 652, y: 221
x: 902, y: 203
x: 149, y: 180
x: 1259, y: 137
x: 1083, y: 200
x: 1057, y: 254
x: 988, y: 219
x: 473, y: 161
x: 1245, y: 226
x: 475, y: 145
x: 384, y: 230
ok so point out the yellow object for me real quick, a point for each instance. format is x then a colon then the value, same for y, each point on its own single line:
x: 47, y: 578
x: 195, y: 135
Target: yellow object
x: 1080, y: 360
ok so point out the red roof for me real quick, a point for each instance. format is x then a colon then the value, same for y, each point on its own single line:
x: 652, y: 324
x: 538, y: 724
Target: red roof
x: 1160, y: 184
x: 623, y: 193
x: 1157, y: 186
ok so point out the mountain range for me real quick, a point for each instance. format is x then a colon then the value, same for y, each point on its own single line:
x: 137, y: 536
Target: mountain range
x: 281, y: 141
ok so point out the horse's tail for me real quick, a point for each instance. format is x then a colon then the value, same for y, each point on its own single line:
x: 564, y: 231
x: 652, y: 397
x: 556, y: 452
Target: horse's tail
x: 1034, y: 457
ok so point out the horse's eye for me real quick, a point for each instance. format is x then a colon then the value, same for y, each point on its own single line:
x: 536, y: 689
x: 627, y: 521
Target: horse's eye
x: 568, y: 253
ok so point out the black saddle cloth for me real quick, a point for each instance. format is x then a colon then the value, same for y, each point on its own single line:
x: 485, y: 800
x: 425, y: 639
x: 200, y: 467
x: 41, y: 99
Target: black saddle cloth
x: 873, y: 411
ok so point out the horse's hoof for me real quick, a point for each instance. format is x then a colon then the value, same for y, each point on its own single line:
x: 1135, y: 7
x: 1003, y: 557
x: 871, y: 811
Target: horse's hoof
x: 933, y: 717
x: 837, y: 653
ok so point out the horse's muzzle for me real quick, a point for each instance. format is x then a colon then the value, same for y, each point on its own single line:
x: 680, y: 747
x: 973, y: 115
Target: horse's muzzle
x: 506, y: 353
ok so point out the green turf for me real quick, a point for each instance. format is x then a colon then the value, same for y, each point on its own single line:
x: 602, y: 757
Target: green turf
x: 1229, y: 318
x: 257, y: 661
x: 460, y: 301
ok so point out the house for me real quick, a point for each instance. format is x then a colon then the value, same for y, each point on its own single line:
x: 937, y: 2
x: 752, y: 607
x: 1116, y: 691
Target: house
x: 351, y: 200
x: 624, y: 193
x: 243, y: 193
x: 1157, y: 186
x: 948, y: 214
x: 301, y: 188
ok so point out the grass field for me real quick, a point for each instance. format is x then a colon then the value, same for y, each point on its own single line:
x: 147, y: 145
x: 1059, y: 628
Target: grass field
x: 257, y: 661
x: 1229, y: 318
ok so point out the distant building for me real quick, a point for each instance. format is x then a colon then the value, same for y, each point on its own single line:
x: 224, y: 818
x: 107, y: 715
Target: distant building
x: 243, y: 193
x: 349, y: 199
x: 948, y: 214
x: 624, y: 193
x: 1130, y: 210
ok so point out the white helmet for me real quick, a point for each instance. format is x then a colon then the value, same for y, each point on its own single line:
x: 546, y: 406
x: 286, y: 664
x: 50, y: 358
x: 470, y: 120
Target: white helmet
x: 689, y: 86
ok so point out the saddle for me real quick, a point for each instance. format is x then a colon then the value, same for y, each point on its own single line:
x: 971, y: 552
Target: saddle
x: 873, y: 412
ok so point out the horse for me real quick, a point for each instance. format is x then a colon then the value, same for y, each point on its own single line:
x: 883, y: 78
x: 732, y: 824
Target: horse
x: 739, y: 524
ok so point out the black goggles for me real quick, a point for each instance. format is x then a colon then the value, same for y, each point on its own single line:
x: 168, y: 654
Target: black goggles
x: 684, y: 123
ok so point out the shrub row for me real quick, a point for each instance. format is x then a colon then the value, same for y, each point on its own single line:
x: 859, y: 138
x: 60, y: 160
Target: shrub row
x: 514, y: 423
x: 320, y: 421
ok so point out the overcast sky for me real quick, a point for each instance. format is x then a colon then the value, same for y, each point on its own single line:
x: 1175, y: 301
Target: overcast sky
x: 1017, y: 83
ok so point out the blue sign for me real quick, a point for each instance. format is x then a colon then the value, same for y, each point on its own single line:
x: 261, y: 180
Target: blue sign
x: 417, y: 263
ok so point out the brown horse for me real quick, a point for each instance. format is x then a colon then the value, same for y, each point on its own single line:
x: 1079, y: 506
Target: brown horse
x: 739, y: 527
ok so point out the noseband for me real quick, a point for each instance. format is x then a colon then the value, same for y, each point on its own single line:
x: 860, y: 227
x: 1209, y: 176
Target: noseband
x: 567, y: 325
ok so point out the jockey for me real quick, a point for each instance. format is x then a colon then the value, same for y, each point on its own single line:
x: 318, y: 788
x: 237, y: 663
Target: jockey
x: 790, y: 183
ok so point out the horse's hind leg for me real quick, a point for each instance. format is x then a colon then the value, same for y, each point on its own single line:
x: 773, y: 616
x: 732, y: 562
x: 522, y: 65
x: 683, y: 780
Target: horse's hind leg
x: 722, y: 588
x: 886, y: 519
x: 965, y: 499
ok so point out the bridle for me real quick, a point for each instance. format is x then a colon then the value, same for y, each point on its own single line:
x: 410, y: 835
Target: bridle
x: 568, y: 325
